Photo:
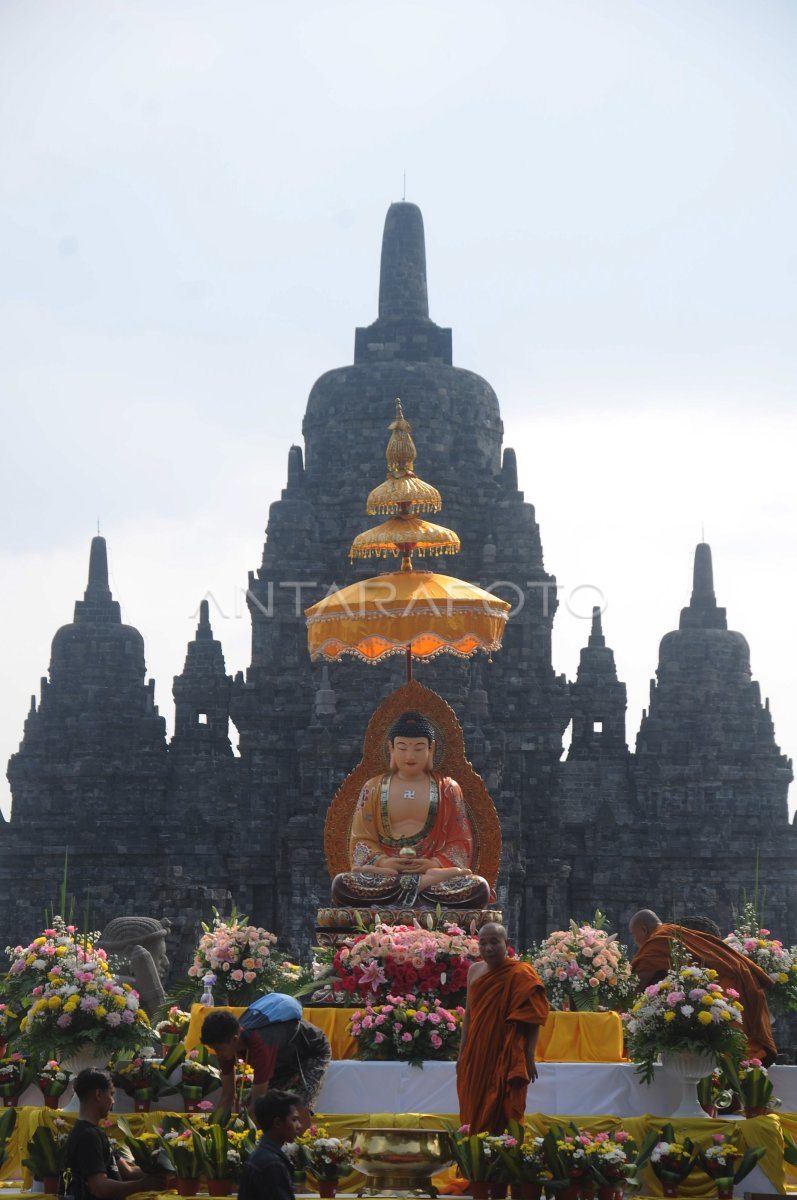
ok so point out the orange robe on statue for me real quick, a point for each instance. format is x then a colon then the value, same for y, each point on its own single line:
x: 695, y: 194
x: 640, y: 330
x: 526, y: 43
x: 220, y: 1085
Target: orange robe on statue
x: 492, y: 1076
x: 735, y: 970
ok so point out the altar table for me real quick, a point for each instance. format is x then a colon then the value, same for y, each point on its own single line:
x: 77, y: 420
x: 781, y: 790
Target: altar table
x: 565, y: 1037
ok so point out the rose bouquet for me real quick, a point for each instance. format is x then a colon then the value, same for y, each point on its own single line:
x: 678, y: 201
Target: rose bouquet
x: 584, y: 967
x: 756, y: 1088
x: 400, y: 960
x: 324, y: 1157
x: 409, y: 1028
x: 53, y: 1081
x: 687, y: 1010
x: 72, y: 999
x: 780, y: 964
x: 612, y: 1162
x: 243, y: 959
x: 726, y: 1164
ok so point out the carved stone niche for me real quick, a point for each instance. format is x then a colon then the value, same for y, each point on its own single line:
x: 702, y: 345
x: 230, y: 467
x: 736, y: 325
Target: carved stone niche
x: 449, y: 760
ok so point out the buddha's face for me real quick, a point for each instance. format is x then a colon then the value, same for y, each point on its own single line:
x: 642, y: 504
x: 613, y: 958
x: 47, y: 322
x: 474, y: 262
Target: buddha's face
x: 411, y: 757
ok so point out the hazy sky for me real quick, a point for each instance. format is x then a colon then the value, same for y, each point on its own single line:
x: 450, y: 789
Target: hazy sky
x: 192, y: 194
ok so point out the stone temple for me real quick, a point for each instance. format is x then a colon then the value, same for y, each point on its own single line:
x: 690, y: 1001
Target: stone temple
x: 169, y: 827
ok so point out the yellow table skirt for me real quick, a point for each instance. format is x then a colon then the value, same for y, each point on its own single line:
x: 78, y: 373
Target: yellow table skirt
x: 759, y: 1131
x: 565, y: 1037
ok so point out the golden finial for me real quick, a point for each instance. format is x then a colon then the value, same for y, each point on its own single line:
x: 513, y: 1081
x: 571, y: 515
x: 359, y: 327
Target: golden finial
x: 401, y: 452
x: 402, y: 488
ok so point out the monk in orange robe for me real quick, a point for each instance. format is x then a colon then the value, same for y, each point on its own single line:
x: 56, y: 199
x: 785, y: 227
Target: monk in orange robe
x: 735, y: 970
x: 505, y: 1008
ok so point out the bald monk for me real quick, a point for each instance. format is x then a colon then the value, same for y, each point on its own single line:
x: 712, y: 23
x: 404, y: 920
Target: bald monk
x: 505, y: 1008
x: 735, y: 970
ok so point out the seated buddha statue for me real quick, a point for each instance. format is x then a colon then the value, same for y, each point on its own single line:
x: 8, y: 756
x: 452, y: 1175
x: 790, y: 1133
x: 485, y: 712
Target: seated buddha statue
x: 411, y: 842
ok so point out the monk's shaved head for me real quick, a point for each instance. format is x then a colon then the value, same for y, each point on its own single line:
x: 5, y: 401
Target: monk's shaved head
x: 495, y: 928
x: 642, y: 925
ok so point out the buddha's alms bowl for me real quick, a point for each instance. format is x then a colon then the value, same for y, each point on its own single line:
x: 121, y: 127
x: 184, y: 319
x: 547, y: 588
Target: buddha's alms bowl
x: 400, y: 1160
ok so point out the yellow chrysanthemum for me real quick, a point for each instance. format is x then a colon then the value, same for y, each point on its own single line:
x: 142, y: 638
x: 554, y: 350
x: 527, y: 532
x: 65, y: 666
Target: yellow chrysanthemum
x: 119, y: 1001
x: 710, y: 974
x: 100, y: 1011
x: 54, y: 1002
x: 669, y: 1016
x: 704, y: 1017
x: 707, y: 999
x: 783, y: 977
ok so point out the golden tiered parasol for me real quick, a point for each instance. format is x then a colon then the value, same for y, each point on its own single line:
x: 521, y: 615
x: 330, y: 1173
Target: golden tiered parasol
x: 417, y: 613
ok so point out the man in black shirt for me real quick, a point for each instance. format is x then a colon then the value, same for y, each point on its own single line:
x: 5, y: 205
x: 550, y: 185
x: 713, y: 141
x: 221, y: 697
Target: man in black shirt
x: 92, y: 1170
x: 267, y: 1174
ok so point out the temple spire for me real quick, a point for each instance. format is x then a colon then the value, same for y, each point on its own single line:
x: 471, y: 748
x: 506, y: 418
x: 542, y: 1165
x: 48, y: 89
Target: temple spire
x: 702, y: 611
x: 402, y: 281
x: 98, y: 604
x: 203, y: 631
x: 596, y: 638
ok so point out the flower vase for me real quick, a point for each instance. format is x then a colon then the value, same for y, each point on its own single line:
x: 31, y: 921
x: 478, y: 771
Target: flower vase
x: 52, y: 1101
x: 670, y: 1189
x: 756, y: 1112
x: 50, y: 1185
x: 610, y: 1192
x: 479, y: 1190
x: 10, y: 1101
x: 586, y: 1191
x: 186, y: 1187
x: 86, y: 1056
x: 690, y: 1066
x: 220, y: 1187
x: 498, y: 1191
x: 327, y: 1188
x: 724, y: 1193
x: 571, y: 1192
x: 142, y: 1100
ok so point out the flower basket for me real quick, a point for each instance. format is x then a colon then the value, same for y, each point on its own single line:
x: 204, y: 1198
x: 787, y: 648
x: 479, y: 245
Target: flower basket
x: 584, y: 968
x: 755, y: 1086
x: 726, y: 1164
x: 407, y: 1028
x: 142, y: 1078
x: 53, y: 1081
x: 670, y: 1159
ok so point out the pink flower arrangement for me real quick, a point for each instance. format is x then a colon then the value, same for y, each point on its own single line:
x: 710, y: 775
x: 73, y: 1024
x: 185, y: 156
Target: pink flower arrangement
x: 771, y: 955
x: 409, y: 1028
x: 400, y: 960
x: 242, y: 957
x: 584, y: 967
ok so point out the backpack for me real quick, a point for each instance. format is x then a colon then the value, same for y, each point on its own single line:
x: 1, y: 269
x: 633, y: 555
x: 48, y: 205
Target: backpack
x: 269, y: 1010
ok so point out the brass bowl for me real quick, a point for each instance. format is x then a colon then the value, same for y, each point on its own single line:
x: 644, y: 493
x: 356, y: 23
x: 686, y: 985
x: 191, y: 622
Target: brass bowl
x: 400, y: 1160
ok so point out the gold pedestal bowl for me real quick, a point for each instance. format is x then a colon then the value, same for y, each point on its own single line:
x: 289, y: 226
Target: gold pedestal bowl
x: 400, y: 1161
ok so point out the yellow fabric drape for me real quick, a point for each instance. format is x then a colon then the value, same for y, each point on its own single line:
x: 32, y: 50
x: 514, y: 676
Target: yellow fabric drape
x: 759, y: 1131
x: 565, y: 1036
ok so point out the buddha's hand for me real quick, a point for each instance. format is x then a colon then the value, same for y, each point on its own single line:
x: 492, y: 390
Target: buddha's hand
x: 415, y: 866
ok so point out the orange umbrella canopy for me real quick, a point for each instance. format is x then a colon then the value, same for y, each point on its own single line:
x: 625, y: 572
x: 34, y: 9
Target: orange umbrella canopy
x: 417, y: 610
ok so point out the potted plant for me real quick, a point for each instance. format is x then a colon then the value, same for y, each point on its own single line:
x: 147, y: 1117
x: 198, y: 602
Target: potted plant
x: 671, y: 1159
x: 185, y: 1147
x: 225, y: 1146
x: 612, y: 1161
x: 477, y: 1158
x: 407, y: 1028
x: 53, y: 1081
x: 143, y: 1079
x: 326, y: 1159
x: 198, y: 1078
x: 566, y: 1154
x: 726, y: 1165
x: 45, y: 1155
x: 755, y: 1088
x: 16, y: 1074
x: 584, y: 967
x: 525, y: 1163
x: 8, y: 1119
x: 174, y: 1027
x: 688, y: 1020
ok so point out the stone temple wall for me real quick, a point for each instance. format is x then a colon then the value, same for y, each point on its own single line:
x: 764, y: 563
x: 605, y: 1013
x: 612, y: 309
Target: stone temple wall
x: 171, y: 828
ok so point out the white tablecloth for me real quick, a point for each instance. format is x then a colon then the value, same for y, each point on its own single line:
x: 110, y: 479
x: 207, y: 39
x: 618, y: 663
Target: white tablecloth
x: 568, y: 1089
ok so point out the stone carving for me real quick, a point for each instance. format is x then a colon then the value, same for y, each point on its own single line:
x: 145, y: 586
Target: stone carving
x: 140, y: 944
